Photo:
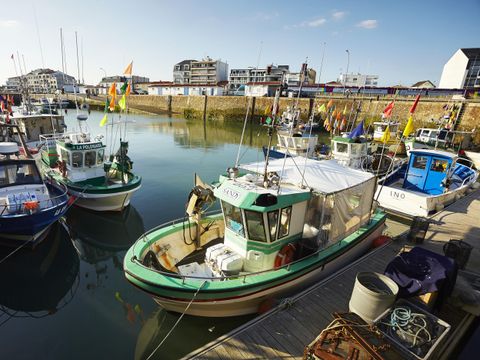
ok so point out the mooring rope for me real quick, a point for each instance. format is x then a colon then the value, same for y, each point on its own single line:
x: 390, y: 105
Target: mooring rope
x: 177, y: 322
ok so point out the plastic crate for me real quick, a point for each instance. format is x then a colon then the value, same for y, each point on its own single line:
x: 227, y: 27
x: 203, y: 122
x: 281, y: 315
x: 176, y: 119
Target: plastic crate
x: 436, y: 327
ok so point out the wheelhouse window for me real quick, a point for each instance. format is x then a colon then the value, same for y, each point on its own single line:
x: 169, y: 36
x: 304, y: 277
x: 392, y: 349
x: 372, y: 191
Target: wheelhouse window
x: 439, y: 165
x: 19, y: 173
x: 66, y: 156
x: 420, y: 162
x: 342, y: 148
x: 90, y: 158
x: 77, y: 159
x: 273, y: 224
x: 285, y: 218
x: 255, y: 226
x: 100, y: 155
x: 233, y: 218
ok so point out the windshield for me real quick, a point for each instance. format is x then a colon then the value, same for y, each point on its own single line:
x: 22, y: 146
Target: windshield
x: 19, y: 173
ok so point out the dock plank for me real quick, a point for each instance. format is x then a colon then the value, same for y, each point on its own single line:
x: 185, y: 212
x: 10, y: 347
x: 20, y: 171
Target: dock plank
x: 284, y: 331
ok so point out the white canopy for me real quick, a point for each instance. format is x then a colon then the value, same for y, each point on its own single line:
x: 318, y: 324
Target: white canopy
x: 324, y: 176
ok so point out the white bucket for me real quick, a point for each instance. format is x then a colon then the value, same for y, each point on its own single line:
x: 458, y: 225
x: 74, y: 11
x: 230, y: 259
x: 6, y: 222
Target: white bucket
x: 372, y: 294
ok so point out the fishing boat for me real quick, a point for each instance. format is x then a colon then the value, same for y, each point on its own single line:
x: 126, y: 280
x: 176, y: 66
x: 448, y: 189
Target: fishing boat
x: 28, y: 204
x: 77, y: 160
x: 282, y: 227
x: 474, y: 156
x: 431, y: 180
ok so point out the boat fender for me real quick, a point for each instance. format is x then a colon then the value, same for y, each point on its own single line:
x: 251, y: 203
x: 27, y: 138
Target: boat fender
x: 285, y: 255
x: 381, y: 240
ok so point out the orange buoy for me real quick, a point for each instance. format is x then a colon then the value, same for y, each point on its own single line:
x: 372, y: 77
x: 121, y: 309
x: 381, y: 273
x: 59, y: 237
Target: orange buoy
x: 285, y: 255
x: 381, y: 240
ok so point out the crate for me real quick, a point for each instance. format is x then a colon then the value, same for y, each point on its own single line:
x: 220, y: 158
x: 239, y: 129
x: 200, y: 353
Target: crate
x: 437, y: 328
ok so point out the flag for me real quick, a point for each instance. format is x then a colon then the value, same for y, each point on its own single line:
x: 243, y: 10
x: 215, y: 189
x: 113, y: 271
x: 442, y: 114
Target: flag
x: 322, y: 108
x: 112, y: 91
x: 122, y: 102
x: 127, y: 92
x: 386, y: 135
x: 329, y: 104
x: 267, y: 110
x: 103, y: 121
x: 345, y: 110
x: 414, y: 106
x: 388, y: 110
x: 357, y: 131
x: 124, y: 87
x: 2, y: 106
x: 335, y: 124
x: 339, y: 115
x: 343, y: 124
x: 409, y: 127
x: 128, y: 69
x: 268, y: 121
x: 111, y: 106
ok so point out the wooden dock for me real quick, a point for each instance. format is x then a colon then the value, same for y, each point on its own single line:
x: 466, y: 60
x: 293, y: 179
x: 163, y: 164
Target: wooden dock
x: 284, y: 331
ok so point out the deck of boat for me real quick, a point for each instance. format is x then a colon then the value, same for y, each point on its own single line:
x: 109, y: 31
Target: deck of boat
x: 286, y: 330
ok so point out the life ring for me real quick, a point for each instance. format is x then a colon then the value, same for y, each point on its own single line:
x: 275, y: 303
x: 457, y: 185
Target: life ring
x: 285, y: 256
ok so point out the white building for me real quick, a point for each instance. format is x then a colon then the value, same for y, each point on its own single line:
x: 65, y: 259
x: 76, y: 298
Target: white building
x: 293, y: 79
x: 462, y: 70
x: 106, y: 82
x: 267, y: 88
x: 358, y: 80
x: 238, y: 78
x: 181, y: 72
x: 208, y: 71
x: 169, y: 88
x: 42, y: 81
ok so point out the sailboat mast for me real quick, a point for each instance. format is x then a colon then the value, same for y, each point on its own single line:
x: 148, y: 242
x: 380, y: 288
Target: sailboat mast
x: 78, y: 62
x: 270, y: 135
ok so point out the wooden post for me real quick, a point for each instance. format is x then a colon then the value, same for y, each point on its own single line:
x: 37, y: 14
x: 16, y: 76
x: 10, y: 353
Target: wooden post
x: 310, y: 107
x: 169, y: 103
x: 205, y: 110
x: 252, y: 111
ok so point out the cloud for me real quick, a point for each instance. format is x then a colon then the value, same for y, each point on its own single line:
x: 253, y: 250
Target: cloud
x: 338, y: 15
x: 8, y: 23
x: 368, y: 24
x: 266, y: 16
x: 315, y: 23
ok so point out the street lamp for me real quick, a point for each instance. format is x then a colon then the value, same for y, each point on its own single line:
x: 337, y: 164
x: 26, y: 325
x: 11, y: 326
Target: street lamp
x: 346, y: 73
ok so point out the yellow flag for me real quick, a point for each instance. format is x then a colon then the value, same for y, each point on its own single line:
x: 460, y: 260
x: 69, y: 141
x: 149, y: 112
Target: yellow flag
x: 322, y: 108
x: 128, y: 69
x: 345, y: 110
x: 267, y: 110
x: 103, y: 121
x: 409, y: 127
x: 122, y: 102
x: 112, y: 104
x: 386, y: 135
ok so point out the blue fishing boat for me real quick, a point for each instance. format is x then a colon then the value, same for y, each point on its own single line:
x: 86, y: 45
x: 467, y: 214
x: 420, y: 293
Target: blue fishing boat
x: 28, y: 205
x: 431, y: 180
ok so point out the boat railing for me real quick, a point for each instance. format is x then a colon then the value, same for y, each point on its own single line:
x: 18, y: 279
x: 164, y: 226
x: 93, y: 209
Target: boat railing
x: 48, y: 204
x: 144, y: 238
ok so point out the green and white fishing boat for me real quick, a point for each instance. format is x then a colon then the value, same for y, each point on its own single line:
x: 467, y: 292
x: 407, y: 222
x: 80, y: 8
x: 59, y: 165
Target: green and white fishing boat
x: 280, y: 229
x: 78, y: 160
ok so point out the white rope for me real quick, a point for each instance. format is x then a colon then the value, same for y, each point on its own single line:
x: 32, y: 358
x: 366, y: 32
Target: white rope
x: 178, y: 321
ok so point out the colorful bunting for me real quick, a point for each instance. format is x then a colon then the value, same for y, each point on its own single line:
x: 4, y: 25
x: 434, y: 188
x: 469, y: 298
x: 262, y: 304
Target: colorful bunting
x: 343, y: 124
x: 409, y: 127
x: 345, y: 110
x: 322, y: 108
x: 329, y: 104
x: 128, y: 69
x: 267, y: 110
x: 111, y: 106
x: 127, y: 92
x: 103, y: 121
x: 124, y: 87
x: 414, y: 106
x: 122, y: 102
x: 386, y: 135
x: 112, y: 91
x: 388, y: 110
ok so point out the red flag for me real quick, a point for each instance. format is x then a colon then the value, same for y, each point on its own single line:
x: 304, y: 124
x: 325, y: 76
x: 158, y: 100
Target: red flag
x: 414, y: 106
x: 388, y: 110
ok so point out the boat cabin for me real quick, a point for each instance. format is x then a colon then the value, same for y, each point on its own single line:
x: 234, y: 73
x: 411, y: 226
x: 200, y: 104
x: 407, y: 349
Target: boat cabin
x: 349, y: 152
x: 297, y: 144
x: 428, y: 171
x: 302, y: 213
x: 21, y: 185
x: 76, y: 154
x: 379, y: 128
x: 434, y: 136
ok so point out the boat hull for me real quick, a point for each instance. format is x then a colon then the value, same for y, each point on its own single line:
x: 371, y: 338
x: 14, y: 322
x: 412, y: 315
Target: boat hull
x: 250, y: 298
x: 32, y: 228
x: 101, y: 201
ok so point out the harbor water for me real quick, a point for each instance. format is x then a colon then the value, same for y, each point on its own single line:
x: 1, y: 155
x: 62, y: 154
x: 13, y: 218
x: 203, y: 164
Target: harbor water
x: 68, y: 298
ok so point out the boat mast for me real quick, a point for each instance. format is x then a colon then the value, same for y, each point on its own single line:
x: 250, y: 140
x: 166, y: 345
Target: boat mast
x: 270, y: 135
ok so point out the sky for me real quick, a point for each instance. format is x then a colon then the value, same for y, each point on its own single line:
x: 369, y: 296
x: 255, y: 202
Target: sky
x: 400, y: 41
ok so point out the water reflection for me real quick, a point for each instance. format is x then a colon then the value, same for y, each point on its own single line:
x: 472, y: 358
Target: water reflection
x: 37, y: 283
x: 190, y: 334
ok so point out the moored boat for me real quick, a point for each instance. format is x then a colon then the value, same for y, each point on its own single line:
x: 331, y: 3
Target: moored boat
x: 279, y: 231
x: 28, y: 205
x: 432, y: 179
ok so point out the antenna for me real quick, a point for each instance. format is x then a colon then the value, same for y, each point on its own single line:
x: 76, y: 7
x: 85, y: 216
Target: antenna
x: 78, y: 63
x: 83, y: 78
